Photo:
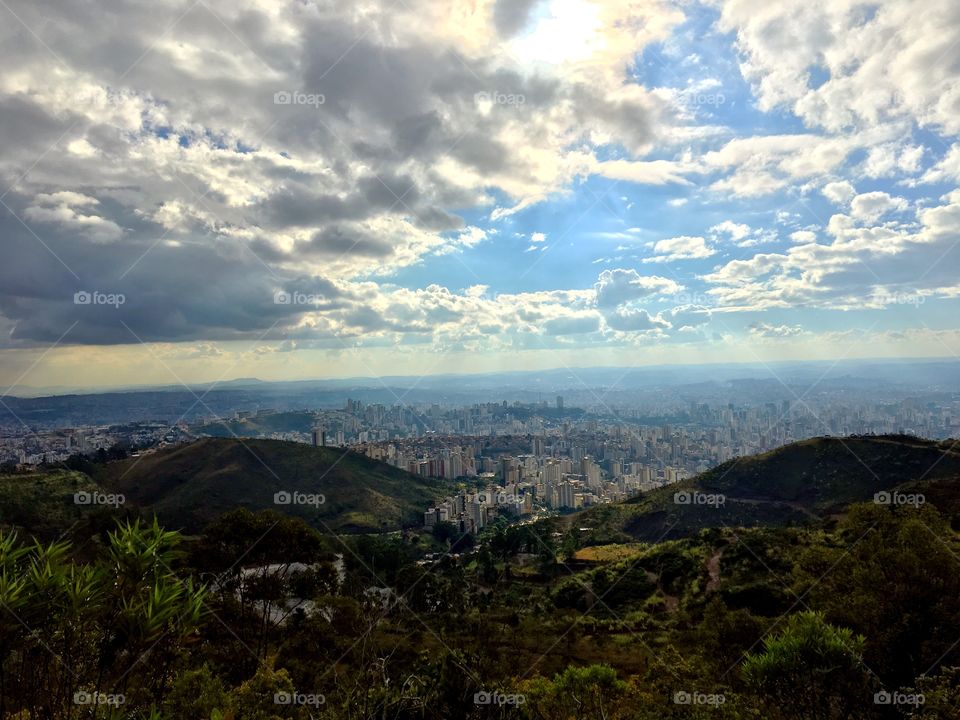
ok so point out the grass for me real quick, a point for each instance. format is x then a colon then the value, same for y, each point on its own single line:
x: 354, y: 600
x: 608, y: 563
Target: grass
x: 609, y: 553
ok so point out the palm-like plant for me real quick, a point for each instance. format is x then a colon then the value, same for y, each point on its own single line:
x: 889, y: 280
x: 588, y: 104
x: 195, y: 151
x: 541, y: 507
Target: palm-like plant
x: 67, y: 627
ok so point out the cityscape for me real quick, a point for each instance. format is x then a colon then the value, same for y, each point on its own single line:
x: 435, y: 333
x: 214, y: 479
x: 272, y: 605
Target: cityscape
x: 528, y: 460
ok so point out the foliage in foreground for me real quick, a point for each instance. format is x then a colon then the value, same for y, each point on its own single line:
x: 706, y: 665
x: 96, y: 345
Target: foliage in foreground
x: 262, y: 618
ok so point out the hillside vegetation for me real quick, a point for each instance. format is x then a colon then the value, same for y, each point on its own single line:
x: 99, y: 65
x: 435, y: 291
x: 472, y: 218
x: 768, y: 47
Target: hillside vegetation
x: 852, y: 614
x: 46, y: 502
x: 795, y: 484
x: 261, y: 425
x: 188, y: 486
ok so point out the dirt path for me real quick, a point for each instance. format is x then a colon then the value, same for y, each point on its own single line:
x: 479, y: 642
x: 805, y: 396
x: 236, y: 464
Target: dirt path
x: 713, y: 569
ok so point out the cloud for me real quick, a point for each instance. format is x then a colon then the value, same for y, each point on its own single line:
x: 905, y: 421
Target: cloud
x: 881, y: 64
x: 247, y: 147
x: 634, y: 320
x: 871, y: 206
x: 190, y: 171
x: 510, y: 16
x: 619, y: 286
x: 839, y: 192
x: 765, y: 330
x: 736, y: 231
x: 574, y: 325
x: 63, y: 209
x: 688, y: 316
x: 803, y: 236
x: 741, y: 234
x: 892, y: 159
x: 684, y: 247
x: 946, y: 169
x: 859, y: 260
x: 651, y: 172
x: 761, y: 165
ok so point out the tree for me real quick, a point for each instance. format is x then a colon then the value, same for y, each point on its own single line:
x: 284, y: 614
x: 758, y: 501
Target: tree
x: 578, y: 693
x: 810, y: 671
x: 892, y: 577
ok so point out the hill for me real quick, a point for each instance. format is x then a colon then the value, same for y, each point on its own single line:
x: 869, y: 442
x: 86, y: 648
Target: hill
x: 261, y: 425
x: 49, y: 503
x: 189, y: 485
x: 794, y: 484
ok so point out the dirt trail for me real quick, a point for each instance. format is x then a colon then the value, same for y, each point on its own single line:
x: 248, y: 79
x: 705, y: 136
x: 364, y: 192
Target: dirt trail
x: 713, y: 569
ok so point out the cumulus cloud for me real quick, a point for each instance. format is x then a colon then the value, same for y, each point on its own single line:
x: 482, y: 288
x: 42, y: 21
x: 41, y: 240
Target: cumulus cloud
x: 766, y: 330
x: 619, y: 286
x: 685, y: 247
x: 860, y: 255
x: 871, y: 206
x: 882, y: 63
x: 635, y: 320
x: 740, y: 234
x: 839, y: 192
x: 803, y: 236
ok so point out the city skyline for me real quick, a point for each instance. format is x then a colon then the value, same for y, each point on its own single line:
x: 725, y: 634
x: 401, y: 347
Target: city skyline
x: 292, y: 191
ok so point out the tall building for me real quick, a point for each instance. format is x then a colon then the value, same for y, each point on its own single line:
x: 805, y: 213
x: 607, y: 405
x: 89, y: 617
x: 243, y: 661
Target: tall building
x: 477, y: 512
x: 590, y: 471
x: 566, y: 491
x: 559, y: 402
x: 319, y: 437
x: 538, y: 446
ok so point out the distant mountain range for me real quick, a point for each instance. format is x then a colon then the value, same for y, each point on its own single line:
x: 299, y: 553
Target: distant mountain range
x: 927, y: 380
x: 920, y: 371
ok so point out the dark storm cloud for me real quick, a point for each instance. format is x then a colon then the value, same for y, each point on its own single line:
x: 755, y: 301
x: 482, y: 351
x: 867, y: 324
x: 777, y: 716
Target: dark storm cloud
x: 208, y: 289
x: 434, y: 219
x: 338, y: 240
x: 297, y: 205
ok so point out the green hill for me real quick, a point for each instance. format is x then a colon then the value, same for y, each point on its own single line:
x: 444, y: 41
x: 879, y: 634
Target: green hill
x: 261, y: 425
x: 47, y: 503
x: 794, y: 484
x: 191, y: 484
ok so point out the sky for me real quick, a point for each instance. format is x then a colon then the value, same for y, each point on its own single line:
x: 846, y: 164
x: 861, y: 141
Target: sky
x: 201, y: 190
